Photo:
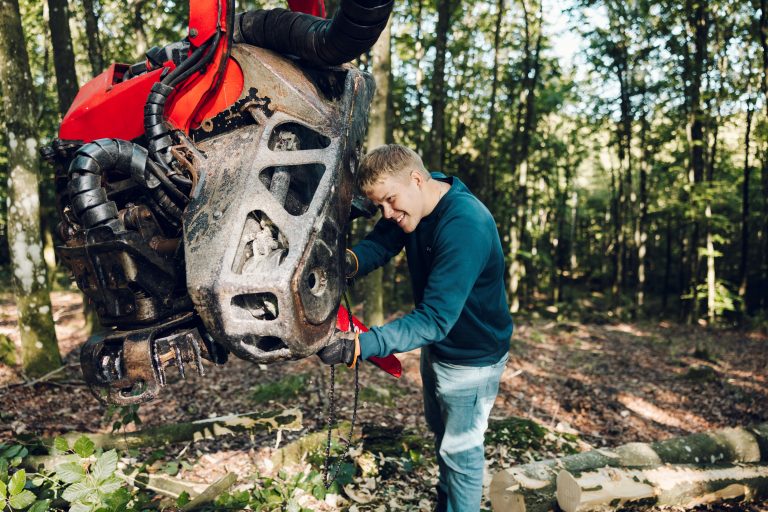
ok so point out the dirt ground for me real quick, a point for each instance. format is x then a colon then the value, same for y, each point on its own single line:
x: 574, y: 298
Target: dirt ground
x: 611, y: 384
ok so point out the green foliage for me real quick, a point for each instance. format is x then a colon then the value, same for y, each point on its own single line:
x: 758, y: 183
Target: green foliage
x: 280, y: 493
x: 126, y: 415
x: 7, y: 350
x: 85, y: 478
x: 286, y: 388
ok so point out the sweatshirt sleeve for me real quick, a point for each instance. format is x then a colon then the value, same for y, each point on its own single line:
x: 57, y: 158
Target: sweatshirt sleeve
x: 384, y: 242
x: 462, y: 249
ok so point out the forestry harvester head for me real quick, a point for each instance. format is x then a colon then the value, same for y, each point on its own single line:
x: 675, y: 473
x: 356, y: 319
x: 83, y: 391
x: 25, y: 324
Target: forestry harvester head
x: 204, y: 193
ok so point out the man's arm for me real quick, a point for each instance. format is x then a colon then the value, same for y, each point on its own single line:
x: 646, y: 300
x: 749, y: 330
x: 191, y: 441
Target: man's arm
x: 379, y: 246
x: 462, y: 250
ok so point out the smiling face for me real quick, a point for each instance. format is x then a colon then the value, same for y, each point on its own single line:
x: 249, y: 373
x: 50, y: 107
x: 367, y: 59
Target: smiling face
x: 400, y: 197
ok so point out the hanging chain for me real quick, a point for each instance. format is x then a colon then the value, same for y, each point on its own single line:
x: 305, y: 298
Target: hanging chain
x: 327, y: 479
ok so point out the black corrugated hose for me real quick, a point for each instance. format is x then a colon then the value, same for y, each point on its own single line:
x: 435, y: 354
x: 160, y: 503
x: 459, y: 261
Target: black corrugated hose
x: 88, y: 198
x: 351, y: 32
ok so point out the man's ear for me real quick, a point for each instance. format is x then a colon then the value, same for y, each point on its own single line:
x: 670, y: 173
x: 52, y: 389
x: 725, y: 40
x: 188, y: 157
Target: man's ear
x: 418, y: 177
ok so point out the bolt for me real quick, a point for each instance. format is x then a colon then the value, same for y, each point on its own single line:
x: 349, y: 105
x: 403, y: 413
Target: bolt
x: 217, y: 215
x: 193, y: 32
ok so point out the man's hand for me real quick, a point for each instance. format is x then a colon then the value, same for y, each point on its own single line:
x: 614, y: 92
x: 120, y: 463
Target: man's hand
x: 343, y: 348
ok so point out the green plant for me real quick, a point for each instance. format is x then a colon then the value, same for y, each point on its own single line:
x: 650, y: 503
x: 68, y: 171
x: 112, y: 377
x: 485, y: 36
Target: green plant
x: 283, y: 389
x: 89, y: 478
x: 16, y: 490
x: 126, y: 415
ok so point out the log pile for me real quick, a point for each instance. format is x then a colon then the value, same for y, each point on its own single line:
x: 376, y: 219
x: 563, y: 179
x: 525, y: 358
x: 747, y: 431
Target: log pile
x: 701, y: 468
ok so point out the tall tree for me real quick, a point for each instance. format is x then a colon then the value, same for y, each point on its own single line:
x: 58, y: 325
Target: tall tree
x: 63, y: 54
x: 695, y: 68
x: 519, y: 236
x: 445, y: 9
x: 379, y: 133
x: 40, y: 353
x: 95, y: 51
x: 486, y: 178
x: 137, y: 23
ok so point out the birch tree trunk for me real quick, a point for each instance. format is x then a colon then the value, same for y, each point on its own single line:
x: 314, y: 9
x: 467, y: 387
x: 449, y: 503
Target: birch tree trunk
x: 63, y: 54
x: 531, y: 487
x: 39, y: 350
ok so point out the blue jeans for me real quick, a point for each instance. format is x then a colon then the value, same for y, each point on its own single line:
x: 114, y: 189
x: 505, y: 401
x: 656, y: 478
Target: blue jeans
x: 457, y: 403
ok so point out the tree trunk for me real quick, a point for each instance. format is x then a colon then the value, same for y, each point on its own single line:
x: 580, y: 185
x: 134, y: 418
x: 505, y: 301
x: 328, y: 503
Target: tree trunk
x: 763, y: 36
x: 378, y: 135
x: 288, y: 419
x: 40, y: 352
x: 95, y: 52
x: 63, y: 54
x: 487, y: 181
x: 520, y: 244
x: 641, y: 229
x: 437, y: 134
x: 698, y: 19
x: 745, y: 208
x: 419, y: 58
x: 531, y: 487
x: 680, y: 486
x: 667, y: 262
x: 137, y: 23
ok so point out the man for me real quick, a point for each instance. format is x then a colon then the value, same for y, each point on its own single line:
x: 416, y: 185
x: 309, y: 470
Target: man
x: 461, y: 320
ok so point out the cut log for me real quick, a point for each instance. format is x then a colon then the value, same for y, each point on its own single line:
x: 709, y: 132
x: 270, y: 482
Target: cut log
x: 164, y: 485
x: 531, y: 487
x: 683, y: 486
x: 294, y: 452
x: 288, y: 419
x: 211, y: 493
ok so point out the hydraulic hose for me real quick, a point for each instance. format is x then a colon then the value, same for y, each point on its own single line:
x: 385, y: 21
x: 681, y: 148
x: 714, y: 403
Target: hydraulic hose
x: 354, y: 30
x: 88, y: 198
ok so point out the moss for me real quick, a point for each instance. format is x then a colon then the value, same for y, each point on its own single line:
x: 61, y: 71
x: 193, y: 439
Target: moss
x: 516, y: 433
x: 7, y: 350
x: 384, y: 395
x: 284, y: 389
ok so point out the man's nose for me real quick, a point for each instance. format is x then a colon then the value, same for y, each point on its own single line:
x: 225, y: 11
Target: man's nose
x: 386, y: 211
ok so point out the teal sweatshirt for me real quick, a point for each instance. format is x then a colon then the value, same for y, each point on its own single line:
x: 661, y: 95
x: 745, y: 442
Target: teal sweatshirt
x: 457, y: 275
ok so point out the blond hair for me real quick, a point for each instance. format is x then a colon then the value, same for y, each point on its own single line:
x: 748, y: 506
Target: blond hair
x: 387, y: 160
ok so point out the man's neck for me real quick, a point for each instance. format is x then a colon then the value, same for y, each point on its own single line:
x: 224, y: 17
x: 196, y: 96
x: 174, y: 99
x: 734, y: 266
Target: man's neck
x: 434, y: 191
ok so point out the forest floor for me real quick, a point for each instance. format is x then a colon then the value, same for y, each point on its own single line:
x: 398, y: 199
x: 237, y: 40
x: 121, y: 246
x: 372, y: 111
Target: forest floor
x: 609, y: 384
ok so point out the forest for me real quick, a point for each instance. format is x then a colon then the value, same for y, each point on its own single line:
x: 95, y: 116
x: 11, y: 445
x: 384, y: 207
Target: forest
x: 621, y: 147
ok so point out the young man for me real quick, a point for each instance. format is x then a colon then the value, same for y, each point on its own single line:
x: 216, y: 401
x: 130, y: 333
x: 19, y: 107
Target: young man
x: 461, y: 320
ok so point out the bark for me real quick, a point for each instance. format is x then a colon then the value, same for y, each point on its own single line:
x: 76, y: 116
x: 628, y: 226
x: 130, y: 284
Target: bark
x: 40, y: 353
x: 743, y: 263
x: 522, y: 266
x: 641, y: 230
x: 63, y: 54
x: 667, y: 262
x: 679, y: 486
x: 315, y: 442
x: 763, y: 36
x: 531, y: 486
x: 288, y: 419
x: 95, y: 51
x: 698, y: 20
x: 378, y: 135
x: 212, y: 492
x: 419, y: 57
x: 437, y: 133
x: 487, y: 180
x: 137, y: 23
